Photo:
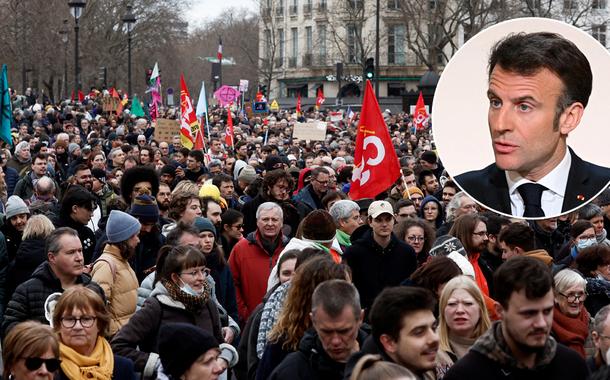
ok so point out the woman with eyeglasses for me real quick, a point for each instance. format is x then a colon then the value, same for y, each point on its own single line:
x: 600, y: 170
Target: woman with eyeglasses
x: 431, y: 210
x: 582, y: 235
x: 594, y: 264
x: 419, y: 234
x: 181, y: 294
x: 30, y: 351
x: 571, y: 320
x: 81, y: 321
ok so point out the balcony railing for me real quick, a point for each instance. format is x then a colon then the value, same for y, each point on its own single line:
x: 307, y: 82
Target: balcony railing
x: 307, y: 59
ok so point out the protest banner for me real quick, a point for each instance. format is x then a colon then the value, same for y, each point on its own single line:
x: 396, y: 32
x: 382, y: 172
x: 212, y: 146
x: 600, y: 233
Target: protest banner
x: 166, y: 129
x: 310, y: 131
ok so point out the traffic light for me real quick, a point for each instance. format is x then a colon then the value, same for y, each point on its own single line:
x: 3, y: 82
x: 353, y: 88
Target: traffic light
x: 369, y: 68
x: 103, y: 76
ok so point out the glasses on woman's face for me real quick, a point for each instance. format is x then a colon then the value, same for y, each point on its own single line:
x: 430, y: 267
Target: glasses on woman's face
x: 204, y: 272
x: 238, y: 226
x: 574, y: 297
x: 86, y: 321
x: 32, y: 364
x: 415, y: 239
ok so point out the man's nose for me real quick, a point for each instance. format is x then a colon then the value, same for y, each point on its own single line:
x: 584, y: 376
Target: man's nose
x: 499, y: 120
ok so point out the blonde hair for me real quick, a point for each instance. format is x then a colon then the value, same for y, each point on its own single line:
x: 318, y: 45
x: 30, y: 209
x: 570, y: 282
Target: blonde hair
x: 186, y: 186
x: 373, y: 367
x: 27, y: 339
x: 38, y: 227
x: 466, y: 283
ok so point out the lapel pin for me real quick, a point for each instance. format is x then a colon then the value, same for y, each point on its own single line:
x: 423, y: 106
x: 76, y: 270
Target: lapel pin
x: 580, y: 197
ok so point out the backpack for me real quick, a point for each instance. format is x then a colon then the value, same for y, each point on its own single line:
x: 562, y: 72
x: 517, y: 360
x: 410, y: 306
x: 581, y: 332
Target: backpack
x: 89, y: 268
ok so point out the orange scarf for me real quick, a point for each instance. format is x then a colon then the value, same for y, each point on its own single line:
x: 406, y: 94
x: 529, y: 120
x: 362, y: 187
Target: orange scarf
x: 571, y: 332
x: 478, y: 273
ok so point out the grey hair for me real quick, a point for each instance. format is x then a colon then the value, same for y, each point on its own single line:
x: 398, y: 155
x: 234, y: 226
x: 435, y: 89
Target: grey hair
x: 45, y: 186
x: 333, y: 296
x: 590, y: 211
x: 600, y: 319
x: 343, y: 209
x: 269, y: 206
x: 454, y: 204
x: 52, y: 243
x: 568, y: 278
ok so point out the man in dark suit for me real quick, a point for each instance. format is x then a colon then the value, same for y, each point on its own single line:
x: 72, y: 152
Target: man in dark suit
x: 539, y: 86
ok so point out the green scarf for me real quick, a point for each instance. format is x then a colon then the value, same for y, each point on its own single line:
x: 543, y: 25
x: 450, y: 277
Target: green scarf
x: 343, y: 238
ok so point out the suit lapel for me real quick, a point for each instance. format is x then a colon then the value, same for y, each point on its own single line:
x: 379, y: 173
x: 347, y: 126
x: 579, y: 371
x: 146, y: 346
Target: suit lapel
x: 577, y: 181
x: 498, y: 197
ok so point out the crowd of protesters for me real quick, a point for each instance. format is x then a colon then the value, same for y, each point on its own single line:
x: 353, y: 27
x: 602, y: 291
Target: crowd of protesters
x: 250, y: 261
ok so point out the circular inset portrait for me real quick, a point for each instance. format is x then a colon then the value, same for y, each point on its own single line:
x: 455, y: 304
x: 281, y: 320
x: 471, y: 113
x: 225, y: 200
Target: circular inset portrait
x: 520, y: 118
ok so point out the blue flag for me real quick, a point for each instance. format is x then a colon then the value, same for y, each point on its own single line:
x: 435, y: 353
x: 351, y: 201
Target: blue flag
x: 5, y: 108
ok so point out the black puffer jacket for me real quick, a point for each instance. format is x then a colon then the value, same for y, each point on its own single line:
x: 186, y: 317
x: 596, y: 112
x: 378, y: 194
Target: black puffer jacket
x: 311, y: 361
x: 29, y: 298
x: 30, y: 255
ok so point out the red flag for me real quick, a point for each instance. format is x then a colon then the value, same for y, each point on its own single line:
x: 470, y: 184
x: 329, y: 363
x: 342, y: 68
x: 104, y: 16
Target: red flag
x: 81, y: 96
x: 229, y: 133
x: 319, y: 98
x: 420, y: 117
x: 219, y: 53
x: 72, y: 97
x: 115, y: 95
x: 189, y: 126
x: 199, y: 140
x: 377, y: 166
x: 299, y: 104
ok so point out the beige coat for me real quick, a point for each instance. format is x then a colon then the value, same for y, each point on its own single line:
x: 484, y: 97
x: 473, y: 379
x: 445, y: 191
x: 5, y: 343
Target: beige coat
x: 121, y: 288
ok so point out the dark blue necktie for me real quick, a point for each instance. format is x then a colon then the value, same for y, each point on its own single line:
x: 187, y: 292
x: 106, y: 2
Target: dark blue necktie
x: 532, y: 194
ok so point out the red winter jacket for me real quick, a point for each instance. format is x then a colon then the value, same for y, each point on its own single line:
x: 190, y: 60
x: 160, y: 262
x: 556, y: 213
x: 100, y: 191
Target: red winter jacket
x: 251, y: 265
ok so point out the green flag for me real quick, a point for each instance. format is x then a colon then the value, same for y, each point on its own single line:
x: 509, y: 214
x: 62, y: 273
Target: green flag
x: 5, y: 108
x: 136, y: 107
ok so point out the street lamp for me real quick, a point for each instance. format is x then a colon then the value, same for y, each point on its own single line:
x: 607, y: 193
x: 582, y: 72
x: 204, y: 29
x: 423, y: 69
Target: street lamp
x: 76, y: 8
x: 64, y: 38
x: 129, y: 19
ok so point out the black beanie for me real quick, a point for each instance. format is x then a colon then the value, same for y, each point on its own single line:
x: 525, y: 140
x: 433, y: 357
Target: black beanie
x: 180, y: 344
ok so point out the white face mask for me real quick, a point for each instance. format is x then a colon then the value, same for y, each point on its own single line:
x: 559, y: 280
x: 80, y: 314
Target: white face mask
x: 189, y: 290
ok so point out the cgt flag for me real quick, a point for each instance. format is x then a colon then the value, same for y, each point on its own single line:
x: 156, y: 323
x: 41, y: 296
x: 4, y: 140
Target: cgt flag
x: 189, y: 126
x: 229, y: 133
x: 377, y: 166
x: 420, y: 117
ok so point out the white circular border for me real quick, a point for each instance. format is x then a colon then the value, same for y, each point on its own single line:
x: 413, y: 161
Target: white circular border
x: 459, y: 114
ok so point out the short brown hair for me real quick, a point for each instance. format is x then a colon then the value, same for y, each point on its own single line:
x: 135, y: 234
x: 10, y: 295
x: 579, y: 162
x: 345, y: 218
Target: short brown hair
x: 178, y: 204
x: 27, y: 339
x: 81, y: 297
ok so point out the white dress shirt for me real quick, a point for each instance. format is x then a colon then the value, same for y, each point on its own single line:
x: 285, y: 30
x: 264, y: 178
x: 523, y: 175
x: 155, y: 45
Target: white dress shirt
x: 552, y: 198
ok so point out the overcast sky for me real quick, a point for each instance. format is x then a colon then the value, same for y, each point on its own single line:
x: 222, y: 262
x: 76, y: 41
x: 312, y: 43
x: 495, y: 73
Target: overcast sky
x: 206, y: 10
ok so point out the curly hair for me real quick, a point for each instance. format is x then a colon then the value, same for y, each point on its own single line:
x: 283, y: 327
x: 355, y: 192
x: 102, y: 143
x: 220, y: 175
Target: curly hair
x: 401, y: 228
x: 294, y: 319
x: 138, y: 174
x: 178, y: 204
x: 273, y: 177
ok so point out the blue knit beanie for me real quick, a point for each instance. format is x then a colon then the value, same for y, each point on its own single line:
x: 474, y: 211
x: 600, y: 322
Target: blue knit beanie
x: 204, y: 224
x: 121, y: 226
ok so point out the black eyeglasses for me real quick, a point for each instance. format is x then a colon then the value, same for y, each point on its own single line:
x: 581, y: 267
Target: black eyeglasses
x: 571, y: 298
x: 86, y: 321
x: 238, y: 226
x: 32, y: 364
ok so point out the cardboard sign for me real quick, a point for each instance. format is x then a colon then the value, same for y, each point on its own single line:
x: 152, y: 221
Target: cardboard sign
x: 248, y: 108
x: 311, y: 131
x: 166, y: 129
x: 260, y: 107
x: 243, y: 85
x: 110, y: 104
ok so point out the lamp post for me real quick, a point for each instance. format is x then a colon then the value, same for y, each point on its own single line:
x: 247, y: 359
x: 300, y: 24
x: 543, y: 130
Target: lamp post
x: 64, y: 38
x: 129, y: 19
x: 76, y: 8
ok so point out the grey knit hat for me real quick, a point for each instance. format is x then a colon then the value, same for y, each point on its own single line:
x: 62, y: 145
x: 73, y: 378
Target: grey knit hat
x: 247, y: 174
x: 121, y: 226
x: 15, y: 206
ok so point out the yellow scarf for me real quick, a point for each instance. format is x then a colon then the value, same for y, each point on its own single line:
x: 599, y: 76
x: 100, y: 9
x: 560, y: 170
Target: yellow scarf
x: 97, y: 366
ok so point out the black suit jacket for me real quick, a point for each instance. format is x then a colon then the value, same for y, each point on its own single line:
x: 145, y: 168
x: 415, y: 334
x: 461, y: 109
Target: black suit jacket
x: 489, y: 187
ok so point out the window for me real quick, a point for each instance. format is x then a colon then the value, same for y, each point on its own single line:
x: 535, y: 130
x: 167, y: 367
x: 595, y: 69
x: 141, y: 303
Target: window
x: 294, y: 36
x: 393, y: 4
x: 280, y: 33
x: 308, y: 39
x: 294, y: 7
x: 599, y: 4
x: 599, y: 33
x: 396, y: 45
x: 322, y: 42
x: 353, y: 34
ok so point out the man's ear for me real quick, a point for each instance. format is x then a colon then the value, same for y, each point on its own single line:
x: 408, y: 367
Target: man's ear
x: 519, y: 251
x: 499, y: 309
x: 388, y: 344
x: 51, y: 257
x: 570, y: 117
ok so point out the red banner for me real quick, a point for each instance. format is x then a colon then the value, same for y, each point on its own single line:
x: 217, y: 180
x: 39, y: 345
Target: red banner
x: 377, y: 166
